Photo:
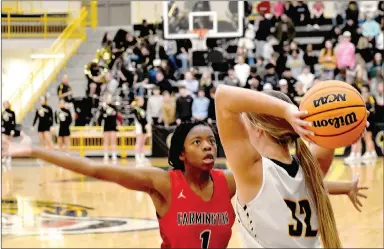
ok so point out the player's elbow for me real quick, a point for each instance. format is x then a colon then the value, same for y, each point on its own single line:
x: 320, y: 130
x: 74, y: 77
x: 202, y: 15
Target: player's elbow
x: 220, y: 95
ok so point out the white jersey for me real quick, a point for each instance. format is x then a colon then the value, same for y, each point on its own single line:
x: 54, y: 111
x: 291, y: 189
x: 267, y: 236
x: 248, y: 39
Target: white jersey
x: 282, y: 214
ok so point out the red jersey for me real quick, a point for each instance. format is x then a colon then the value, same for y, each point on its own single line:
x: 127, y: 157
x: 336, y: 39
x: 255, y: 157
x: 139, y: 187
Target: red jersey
x: 194, y: 223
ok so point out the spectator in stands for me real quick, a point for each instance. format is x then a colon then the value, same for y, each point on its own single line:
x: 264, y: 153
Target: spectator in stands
x: 200, y: 106
x: 283, y: 57
x: 304, y: 16
x: 206, y: 83
x: 377, y: 65
x: 263, y: 31
x: 334, y: 35
x: 290, y: 10
x: 345, y: 52
x: 370, y: 104
x: 370, y: 28
x: 364, y: 50
x: 95, y: 76
x: 260, y: 66
x: 211, y: 107
x: 64, y: 91
x: 310, y: 58
x: 111, y: 84
x: 380, y: 41
x: 107, y: 40
x: 296, y: 62
x: 271, y: 77
x: 183, y: 106
x: 287, y: 75
x: 64, y: 119
x: 268, y: 48
x: 154, y: 104
x: 352, y: 12
x: 318, y: 14
x: 285, y: 30
x: 231, y: 79
x: 328, y: 60
x: 242, y: 71
x: 190, y: 83
x: 263, y: 7
x: 299, y: 92
x: 283, y: 86
x: 278, y: 9
x: 254, y: 81
x: 145, y: 31
x: 306, y: 78
x: 141, y: 127
x: 163, y: 83
x: 352, y: 27
x: 44, y: 115
x: 168, y: 71
x: 168, y: 109
x: 379, y: 97
x: 339, y: 8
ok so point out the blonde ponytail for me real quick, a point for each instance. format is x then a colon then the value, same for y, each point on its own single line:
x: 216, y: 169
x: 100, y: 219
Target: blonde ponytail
x: 314, y: 181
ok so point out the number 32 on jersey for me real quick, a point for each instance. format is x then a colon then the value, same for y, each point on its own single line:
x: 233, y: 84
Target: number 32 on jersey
x: 304, y: 208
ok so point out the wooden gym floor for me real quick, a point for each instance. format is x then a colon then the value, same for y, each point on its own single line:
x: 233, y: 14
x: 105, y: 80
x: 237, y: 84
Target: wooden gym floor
x: 45, y: 206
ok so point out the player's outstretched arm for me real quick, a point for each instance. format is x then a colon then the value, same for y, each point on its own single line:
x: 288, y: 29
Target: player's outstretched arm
x: 140, y: 179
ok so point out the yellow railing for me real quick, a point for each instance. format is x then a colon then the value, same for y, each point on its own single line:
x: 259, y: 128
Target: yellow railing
x: 91, y: 138
x: 44, y: 26
x: 44, y: 71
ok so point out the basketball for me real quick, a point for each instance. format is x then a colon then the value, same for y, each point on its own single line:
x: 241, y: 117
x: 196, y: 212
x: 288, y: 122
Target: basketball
x: 337, y: 113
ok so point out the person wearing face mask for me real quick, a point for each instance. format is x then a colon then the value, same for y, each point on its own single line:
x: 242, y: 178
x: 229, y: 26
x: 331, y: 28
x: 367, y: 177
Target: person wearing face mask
x: 64, y: 119
x: 108, y: 119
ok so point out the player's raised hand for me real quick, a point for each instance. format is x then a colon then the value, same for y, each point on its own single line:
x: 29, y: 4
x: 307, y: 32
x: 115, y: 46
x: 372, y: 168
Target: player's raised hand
x: 294, y: 116
x: 21, y: 149
x: 355, y: 194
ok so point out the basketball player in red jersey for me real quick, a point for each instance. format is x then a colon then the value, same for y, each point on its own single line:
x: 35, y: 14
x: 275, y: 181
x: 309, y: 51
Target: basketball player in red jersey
x: 193, y: 202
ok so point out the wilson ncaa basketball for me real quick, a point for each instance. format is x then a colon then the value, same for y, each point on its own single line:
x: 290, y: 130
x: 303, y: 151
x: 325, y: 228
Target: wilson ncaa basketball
x: 337, y: 112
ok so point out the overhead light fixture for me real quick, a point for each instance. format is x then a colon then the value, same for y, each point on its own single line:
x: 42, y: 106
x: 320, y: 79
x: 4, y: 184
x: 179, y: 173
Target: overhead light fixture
x: 47, y: 56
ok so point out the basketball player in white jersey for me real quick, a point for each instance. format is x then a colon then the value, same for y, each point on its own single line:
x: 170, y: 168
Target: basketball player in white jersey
x: 281, y: 200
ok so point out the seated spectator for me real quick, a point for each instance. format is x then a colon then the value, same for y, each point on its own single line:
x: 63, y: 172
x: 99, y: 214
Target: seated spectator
x: 306, y: 78
x: 278, y: 8
x: 145, y: 31
x: 380, y: 42
x: 183, y: 106
x: 379, y: 96
x: 242, y: 71
x: 352, y: 12
x: 370, y: 28
x: 290, y: 10
x: 287, y: 75
x: 304, y: 16
x: 285, y: 30
x: 377, y: 65
x: 263, y: 7
x: 168, y: 71
x: 254, y: 81
x: 111, y: 84
x: 283, y: 86
x: 231, y: 79
x: 263, y: 31
x: 211, y: 107
x: 364, y: 50
x: 268, y: 48
x: 318, y: 14
x: 162, y: 82
x: 190, y: 83
x: 328, y: 60
x: 200, y: 106
x: 299, y: 92
x: 206, y: 82
x: 296, y: 62
x: 345, y: 52
x: 334, y: 35
x: 310, y: 58
x: 273, y: 59
x: 168, y: 109
x: 260, y: 66
x: 154, y: 105
x: 283, y: 57
x: 271, y: 77
x: 352, y: 27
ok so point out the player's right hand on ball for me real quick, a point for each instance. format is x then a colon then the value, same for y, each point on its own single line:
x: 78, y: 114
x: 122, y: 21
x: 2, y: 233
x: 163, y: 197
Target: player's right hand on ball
x: 294, y: 117
x: 21, y: 149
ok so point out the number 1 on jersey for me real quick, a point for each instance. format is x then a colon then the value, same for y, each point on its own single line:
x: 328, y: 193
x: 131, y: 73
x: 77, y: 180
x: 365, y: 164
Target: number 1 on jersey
x: 204, y: 237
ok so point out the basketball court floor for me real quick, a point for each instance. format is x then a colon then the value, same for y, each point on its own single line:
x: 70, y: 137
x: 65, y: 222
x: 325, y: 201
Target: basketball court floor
x: 45, y: 206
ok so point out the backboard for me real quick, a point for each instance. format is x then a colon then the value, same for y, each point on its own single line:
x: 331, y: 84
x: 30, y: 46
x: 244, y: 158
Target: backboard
x: 222, y: 19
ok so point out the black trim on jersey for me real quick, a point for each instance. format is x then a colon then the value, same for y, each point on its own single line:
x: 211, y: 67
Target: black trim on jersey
x: 291, y: 168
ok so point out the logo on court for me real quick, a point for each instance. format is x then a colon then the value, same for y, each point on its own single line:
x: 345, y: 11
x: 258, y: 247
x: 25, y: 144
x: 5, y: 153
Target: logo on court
x: 26, y: 217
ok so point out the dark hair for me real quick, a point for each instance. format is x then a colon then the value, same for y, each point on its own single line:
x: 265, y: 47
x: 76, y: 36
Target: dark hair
x: 177, y: 142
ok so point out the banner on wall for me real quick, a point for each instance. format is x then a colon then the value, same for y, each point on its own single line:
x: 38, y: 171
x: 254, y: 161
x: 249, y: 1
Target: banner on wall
x: 161, y: 141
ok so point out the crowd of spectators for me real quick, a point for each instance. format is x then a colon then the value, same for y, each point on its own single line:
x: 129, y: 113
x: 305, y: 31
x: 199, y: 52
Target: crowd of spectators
x: 267, y: 57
